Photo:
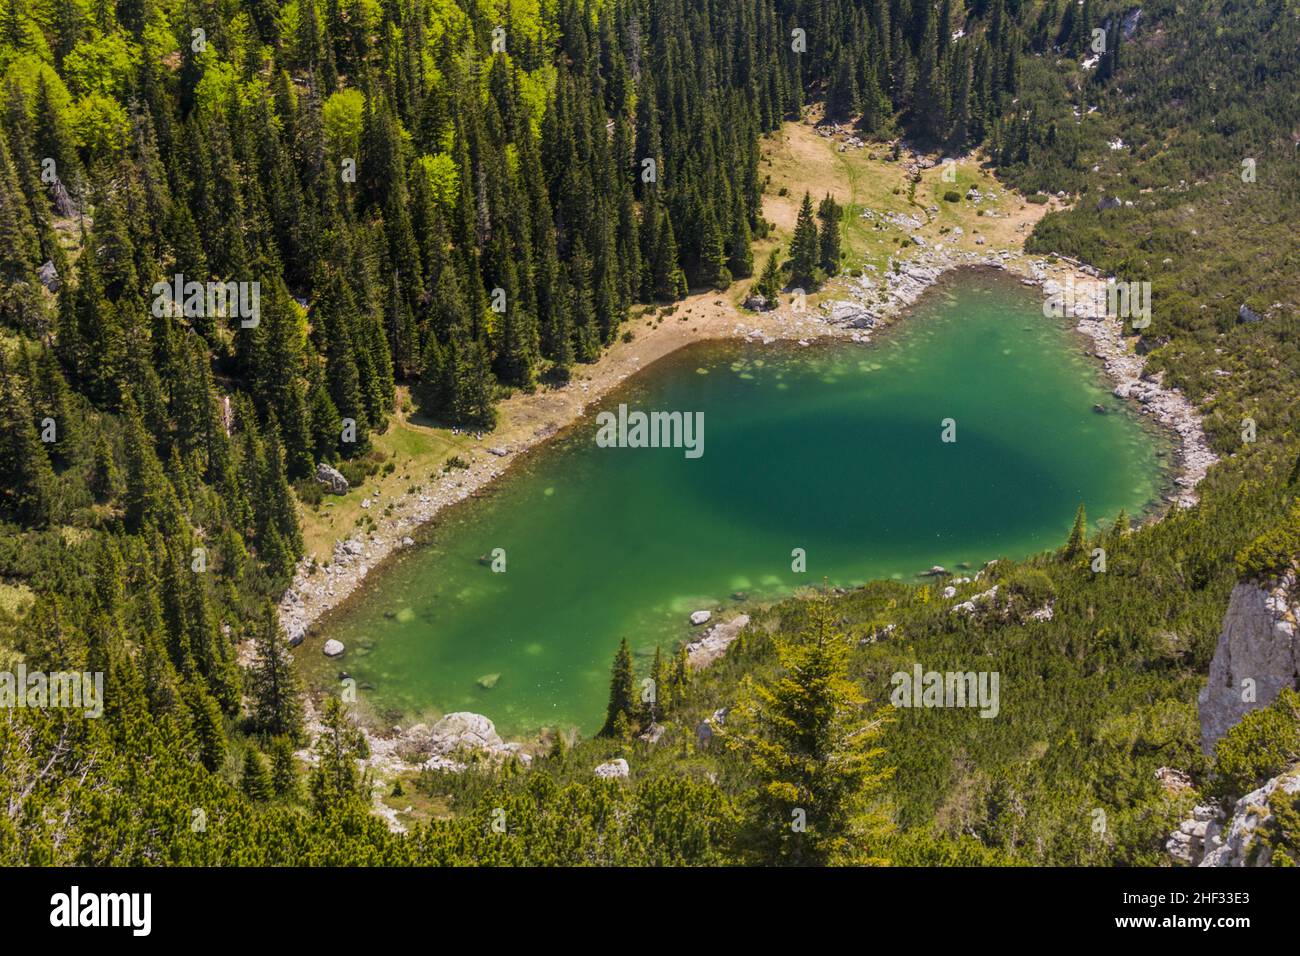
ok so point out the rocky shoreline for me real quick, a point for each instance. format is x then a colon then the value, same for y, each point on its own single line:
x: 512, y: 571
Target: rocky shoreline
x: 871, y: 303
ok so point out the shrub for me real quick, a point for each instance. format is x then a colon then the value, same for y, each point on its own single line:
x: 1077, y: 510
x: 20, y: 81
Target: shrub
x: 1026, y: 589
x: 952, y: 196
x: 355, y: 472
x: 1275, y: 551
x: 1264, y: 744
x: 310, y: 491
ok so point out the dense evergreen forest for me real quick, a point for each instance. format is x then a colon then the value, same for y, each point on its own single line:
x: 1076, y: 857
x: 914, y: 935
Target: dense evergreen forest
x: 468, y: 198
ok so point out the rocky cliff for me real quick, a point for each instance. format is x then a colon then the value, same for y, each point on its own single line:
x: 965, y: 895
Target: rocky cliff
x: 1236, y: 842
x: 1258, y: 655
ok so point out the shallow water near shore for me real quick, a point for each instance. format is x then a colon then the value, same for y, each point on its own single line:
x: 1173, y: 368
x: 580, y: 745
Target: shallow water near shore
x: 832, y: 448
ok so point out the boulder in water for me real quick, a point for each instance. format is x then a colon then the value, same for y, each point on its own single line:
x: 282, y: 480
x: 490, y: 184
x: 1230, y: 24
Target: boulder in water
x: 700, y: 617
x: 488, y: 681
x: 333, y: 648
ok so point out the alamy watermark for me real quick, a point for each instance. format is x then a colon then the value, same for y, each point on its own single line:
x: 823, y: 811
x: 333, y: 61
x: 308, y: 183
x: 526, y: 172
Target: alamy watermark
x: 639, y: 429
x: 235, y: 300
x: 922, y: 688
x: 38, y: 690
x: 133, y: 911
x: 1094, y: 299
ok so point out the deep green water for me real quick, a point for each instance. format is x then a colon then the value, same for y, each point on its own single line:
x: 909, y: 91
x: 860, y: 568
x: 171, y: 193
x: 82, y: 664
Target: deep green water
x: 831, y: 448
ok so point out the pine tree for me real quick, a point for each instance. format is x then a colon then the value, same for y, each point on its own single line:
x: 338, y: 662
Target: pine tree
x: 207, y: 725
x: 430, y: 392
x: 284, y: 769
x: 740, y: 255
x: 335, y: 781
x: 27, y: 482
x: 1078, y: 534
x: 622, y: 707
x: 679, y: 678
x: 148, y: 495
x: 668, y: 280
x: 660, y: 697
x: 255, y: 778
x: 817, y: 761
x: 475, y: 387
x: 275, y: 697
x: 276, y: 500
x: 828, y: 240
x: 769, y: 283
x: 20, y: 301
x: 804, y: 249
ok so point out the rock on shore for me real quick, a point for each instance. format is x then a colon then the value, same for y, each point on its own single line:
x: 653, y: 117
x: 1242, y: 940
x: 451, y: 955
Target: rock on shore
x: 714, y: 644
x: 1167, y: 405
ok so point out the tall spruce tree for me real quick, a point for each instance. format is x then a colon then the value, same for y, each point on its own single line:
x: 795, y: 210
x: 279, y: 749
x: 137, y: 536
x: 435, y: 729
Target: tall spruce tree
x: 814, y: 750
x: 621, y: 710
x: 805, y: 251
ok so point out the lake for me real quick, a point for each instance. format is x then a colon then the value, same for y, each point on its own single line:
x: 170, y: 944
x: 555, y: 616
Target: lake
x: 836, y: 449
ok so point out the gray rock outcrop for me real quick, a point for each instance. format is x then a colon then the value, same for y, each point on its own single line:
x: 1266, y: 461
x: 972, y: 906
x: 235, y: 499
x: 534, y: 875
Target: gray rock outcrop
x: 1258, y: 654
x: 331, y: 478
x: 714, y: 644
x: 465, y: 730
x: 612, y: 769
x: 1236, y: 842
x: 1187, y: 844
x: 49, y: 276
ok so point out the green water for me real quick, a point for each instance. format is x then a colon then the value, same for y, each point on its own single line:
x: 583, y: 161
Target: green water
x: 835, y: 449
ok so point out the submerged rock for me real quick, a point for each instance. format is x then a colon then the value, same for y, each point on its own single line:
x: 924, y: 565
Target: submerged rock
x: 488, y: 681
